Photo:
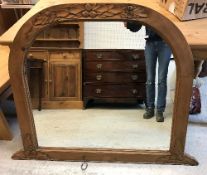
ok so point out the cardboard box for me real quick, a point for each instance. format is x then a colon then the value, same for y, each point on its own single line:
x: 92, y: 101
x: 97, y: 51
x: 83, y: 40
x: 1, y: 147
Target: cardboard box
x: 186, y: 9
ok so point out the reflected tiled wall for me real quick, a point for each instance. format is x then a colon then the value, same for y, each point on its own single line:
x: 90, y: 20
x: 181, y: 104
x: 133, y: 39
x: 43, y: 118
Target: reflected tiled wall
x: 112, y: 35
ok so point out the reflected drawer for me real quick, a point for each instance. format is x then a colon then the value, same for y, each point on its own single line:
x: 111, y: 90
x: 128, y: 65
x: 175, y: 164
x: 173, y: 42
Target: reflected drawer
x: 119, y: 77
x: 65, y: 55
x: 115, y: 90
x: 95, y: 55
x: 42, y: 55
x: 124, y: 66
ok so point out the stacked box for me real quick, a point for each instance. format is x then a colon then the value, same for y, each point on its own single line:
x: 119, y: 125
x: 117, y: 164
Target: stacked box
x: 186, y: 9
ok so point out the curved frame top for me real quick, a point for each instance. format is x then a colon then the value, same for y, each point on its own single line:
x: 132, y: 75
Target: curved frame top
x: 102, y: 12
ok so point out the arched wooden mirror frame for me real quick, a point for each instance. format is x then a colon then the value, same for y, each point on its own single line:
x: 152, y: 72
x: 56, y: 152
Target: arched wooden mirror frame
x: 102, y: 12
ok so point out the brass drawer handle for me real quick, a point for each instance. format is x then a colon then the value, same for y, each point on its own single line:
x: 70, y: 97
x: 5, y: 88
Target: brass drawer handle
x: 134, y: 91
x: 98, y: 91
x: 98, y: 77
x: 99, y: 66
x: 135, y: 66
x: 30, y: 55
x: 64, y: 56
x: 135, y: 56
x: 134, y: 77
x: 99, y: 55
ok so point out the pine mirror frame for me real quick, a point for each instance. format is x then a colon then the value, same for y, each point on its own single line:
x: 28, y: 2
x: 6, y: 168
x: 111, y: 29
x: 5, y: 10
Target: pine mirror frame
x: 102, y: 12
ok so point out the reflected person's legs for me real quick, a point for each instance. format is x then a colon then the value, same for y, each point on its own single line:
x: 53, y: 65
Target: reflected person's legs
x: 164, y: 54
x: 151, y: 60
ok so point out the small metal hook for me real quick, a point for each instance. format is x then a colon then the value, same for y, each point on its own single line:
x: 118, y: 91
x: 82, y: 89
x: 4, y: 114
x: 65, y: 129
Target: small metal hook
x: 84, y: 166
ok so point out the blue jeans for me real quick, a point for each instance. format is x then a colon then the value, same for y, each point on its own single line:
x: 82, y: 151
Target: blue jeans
x: 161, y: 52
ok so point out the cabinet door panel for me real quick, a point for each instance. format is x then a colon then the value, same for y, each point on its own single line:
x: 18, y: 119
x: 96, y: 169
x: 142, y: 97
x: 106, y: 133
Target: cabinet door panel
x: 64, y: 81
x: 60, y: 80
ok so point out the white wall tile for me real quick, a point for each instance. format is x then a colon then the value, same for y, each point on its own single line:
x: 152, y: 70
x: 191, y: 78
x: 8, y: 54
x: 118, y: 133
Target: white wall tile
x: 112, y: 35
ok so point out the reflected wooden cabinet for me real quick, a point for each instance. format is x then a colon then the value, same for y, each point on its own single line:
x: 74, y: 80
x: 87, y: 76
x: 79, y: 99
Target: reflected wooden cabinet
x: 114, y: 75
x: 60, y: 47
x: 65, y: 79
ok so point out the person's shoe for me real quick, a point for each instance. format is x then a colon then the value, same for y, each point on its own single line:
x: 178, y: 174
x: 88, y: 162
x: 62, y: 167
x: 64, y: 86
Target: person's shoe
x: 149, y: 113
x: 159, y: 116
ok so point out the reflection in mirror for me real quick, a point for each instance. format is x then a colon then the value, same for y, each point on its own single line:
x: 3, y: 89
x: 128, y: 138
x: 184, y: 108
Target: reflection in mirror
x: 87, y: 88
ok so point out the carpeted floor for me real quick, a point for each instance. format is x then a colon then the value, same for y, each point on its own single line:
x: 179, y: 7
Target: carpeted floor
x: 100, y: 127
x: 196, y: 145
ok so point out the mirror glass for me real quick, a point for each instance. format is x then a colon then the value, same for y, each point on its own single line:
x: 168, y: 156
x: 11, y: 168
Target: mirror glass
x: 87, y: 83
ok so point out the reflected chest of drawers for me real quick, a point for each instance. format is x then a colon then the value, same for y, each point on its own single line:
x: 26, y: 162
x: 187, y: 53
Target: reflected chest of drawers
x: 114, y: 75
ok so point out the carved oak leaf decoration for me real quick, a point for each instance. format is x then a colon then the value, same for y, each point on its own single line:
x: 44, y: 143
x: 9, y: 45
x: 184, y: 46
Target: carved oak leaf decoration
x: 27, y: 155
x: 28, y: 140
x: 90, y: 11
x: 106, y: 11
x: 90, y: 7
x: 29, y: 35
x: 140, y: 12
x: 63, y: 13
x: 134, y: 12
x: 45, y: 18
x: 110, y: 11
x: 73, y: 11
x: 177, y: 158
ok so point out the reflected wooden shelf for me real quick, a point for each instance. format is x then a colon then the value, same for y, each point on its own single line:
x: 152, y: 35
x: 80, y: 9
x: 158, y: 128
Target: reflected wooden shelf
x: 53, y: 48
x: 16, y: 6
x: 58, y: 40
